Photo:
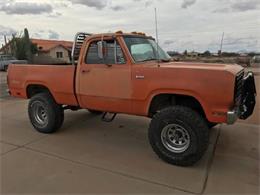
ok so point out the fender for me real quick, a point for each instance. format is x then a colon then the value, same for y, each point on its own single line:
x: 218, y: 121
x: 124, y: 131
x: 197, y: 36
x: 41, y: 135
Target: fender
x: 193, y: 94
x: 43, y: 84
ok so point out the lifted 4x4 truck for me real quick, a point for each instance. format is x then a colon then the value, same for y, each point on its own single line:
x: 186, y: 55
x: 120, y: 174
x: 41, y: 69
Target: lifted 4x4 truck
x: 127, y: 73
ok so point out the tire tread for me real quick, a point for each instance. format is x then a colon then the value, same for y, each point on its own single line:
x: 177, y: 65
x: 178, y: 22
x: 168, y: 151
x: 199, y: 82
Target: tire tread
x: 56, y: 117
x: 199, y: 126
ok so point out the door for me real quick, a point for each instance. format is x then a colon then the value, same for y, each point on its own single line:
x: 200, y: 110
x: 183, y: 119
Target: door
x: 105, y: 85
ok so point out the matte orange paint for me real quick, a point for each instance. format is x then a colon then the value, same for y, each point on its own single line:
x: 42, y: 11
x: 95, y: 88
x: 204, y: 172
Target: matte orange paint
x: 117, y: 88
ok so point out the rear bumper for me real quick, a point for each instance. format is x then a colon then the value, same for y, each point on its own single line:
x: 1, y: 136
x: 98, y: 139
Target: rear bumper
x: 246, y: 108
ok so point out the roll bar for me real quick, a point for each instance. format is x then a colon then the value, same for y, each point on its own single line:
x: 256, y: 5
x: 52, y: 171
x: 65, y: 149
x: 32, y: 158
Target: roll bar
x: 78, y: 42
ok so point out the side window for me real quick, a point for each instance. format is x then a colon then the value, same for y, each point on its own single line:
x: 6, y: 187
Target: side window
x: 112, y: 58
x: 92, y: 55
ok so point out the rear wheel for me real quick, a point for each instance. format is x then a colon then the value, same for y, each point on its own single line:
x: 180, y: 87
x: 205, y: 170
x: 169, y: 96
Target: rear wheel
x: 5, y: 68
x: 179, y: 135
x: 45, y: 114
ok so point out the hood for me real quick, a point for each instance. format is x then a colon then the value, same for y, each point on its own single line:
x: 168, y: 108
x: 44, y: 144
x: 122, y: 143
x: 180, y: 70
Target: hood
x: 232, y: 68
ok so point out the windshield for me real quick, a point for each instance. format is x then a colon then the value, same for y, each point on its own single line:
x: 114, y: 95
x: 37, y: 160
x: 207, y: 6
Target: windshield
x: 145, y: 49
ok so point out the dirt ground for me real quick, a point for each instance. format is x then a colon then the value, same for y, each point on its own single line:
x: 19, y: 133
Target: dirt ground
x: 90, y: 156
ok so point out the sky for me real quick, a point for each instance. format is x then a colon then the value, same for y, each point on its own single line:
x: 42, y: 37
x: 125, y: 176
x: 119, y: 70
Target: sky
x: 193, y: 25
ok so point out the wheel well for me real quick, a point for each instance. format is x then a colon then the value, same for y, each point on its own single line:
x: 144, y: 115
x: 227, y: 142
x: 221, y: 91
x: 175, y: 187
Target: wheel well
x: 35, y: 89
x: 164, y: 100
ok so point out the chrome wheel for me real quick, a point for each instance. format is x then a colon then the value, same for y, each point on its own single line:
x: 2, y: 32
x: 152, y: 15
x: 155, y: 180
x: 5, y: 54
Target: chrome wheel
x: 175, y: 138
x: 39, y: 113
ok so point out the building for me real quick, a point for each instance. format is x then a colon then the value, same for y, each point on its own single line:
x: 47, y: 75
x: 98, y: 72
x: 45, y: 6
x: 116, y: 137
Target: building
x: 193, y: 54
x: 52, y: 51
x: 49, y: 51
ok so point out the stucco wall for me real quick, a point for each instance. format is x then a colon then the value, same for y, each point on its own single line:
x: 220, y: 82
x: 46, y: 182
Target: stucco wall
x: 51, y: 56
x: 65, y: 52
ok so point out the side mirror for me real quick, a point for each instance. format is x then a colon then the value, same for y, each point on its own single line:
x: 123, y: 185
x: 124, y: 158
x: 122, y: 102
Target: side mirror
x: 102, y: 50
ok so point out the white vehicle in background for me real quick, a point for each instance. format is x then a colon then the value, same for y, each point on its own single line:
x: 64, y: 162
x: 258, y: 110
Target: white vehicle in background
x: 256, y: 60
x: 5, y: 60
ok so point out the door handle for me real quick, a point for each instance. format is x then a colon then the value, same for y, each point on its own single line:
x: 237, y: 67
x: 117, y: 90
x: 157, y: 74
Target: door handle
x: 139, y: 76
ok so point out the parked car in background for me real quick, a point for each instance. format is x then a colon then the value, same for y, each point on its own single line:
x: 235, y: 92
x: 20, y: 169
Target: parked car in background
x: 256, y: 59
x: 5, y: 60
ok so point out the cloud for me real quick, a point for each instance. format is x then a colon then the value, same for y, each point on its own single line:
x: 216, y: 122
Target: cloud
x: 237, y: 44
x: 240, y: 41
x: 45, y: 34
x: 187, y: 3
x: 36, y: 35
x: 8, y: 31
x: 53, y: 35
x: 55, y: 15
x: 221, y: 10
x: 117, y: 8
x: 148, y: 3
x: 238, y: 6
x: 245, y: 5
x: 168, y: 42
x: 23, y: 8
x: 98, y: 4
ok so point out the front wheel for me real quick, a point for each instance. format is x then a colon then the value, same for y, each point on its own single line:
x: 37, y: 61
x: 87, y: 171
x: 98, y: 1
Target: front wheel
x: 179, y: 135
x: 45, y: 114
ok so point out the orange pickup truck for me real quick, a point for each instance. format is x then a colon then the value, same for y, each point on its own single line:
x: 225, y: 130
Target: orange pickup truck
x: 129, y: 73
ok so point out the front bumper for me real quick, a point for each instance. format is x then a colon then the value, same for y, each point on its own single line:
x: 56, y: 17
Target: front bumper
x: 247, y: 105
x: 232, y: 117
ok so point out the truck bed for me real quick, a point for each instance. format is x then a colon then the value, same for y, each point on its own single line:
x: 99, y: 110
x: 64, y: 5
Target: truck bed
x: 58, y: 79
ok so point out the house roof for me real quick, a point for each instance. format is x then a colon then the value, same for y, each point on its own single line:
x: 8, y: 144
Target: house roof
x: 47, y: 45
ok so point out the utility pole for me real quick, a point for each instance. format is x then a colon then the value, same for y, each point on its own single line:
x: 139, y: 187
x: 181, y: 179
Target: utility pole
x: 221, y: 43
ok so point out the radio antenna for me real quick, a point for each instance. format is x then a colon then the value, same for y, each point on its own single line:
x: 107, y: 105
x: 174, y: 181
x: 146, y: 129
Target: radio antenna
x: 157, y: 39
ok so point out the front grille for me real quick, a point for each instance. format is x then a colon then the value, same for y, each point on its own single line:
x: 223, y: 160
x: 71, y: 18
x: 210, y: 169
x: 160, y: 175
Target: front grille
x: 238, y: 88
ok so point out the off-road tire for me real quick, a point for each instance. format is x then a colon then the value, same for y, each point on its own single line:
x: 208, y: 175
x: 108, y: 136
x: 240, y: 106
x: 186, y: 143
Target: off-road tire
x: 195, y: 126
x: 54, y: 113
x: 95, y: 112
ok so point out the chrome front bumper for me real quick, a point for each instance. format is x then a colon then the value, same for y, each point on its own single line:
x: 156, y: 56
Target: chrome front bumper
x: 232, y: 117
